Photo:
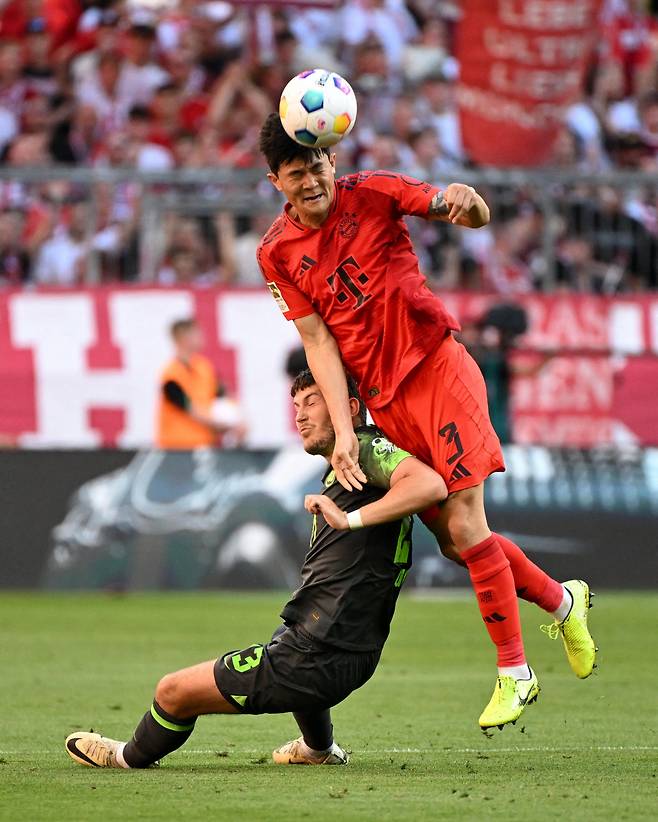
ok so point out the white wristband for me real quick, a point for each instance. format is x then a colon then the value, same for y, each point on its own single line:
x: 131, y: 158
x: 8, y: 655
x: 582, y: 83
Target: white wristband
x: 354, y: 520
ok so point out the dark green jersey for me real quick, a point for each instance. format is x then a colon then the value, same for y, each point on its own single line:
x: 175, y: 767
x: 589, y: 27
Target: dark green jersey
x: 351, y: 579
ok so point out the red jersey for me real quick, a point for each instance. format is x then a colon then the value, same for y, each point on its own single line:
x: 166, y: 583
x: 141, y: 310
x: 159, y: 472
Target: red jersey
x: 359, y: 272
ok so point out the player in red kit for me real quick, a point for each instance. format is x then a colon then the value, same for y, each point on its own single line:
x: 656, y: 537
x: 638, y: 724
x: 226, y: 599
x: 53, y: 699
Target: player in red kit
x: 339, y: 263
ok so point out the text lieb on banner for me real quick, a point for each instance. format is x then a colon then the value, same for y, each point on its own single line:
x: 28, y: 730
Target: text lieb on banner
x: 522, y: 62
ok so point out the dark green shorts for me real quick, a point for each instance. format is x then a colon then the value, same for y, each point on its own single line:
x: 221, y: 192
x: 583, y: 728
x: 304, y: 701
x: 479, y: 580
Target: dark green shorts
x: 293, y: 672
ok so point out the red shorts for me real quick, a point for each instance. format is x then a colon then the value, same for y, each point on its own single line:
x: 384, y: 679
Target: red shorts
x: 440, y: 415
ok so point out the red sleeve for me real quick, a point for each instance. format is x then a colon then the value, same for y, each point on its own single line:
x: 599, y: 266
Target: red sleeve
x: 406, y: 194
x: 292, y: 302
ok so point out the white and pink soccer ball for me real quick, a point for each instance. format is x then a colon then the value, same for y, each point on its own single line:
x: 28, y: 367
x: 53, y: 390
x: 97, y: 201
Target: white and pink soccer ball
x: 317, y: 108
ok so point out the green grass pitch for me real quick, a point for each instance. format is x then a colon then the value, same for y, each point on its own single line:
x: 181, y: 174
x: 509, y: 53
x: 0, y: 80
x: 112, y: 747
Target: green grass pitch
x: 586, y: 750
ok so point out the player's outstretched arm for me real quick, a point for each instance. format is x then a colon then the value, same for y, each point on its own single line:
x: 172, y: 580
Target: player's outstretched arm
x: 461, y: 205
x: 327, y: 368
x: 414, y: 488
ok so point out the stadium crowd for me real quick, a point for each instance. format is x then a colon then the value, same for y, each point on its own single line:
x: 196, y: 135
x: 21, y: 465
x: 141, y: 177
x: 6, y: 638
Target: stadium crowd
x: 186, y: 85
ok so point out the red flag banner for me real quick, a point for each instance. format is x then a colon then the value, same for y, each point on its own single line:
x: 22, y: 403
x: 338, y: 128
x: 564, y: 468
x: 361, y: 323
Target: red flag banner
x: 522, y: 62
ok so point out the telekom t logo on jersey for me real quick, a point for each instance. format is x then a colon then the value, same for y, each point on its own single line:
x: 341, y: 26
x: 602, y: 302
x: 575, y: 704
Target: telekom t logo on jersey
x: 346, y: 273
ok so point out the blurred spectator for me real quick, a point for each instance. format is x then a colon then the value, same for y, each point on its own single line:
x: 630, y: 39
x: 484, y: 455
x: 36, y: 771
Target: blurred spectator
x: 505, y: 269
x: 648, y: 111
x: 100, y: 34
x: 60, y: 259
x: 242, y: 247
x: 104, y: 90
x: 631, y: 36
x: 140, y: 73
x: 14, y: 259
x: 429, y: 53
x: 295, y: 362
x: 12, y: 85
x: 437, y: 106
x: 188, y: 414
x: 427, y: 161
x: 490, y: 340
x: 183, y: 268
x: 146, y: 141
x: 389, y: 21
x: 38, y: 68
x: 73, y: 141
x: 199, y: 252
x: 8, y: 127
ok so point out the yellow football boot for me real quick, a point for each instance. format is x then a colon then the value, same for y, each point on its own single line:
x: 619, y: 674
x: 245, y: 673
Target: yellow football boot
x: 578, y: 642
x: 508, y: 701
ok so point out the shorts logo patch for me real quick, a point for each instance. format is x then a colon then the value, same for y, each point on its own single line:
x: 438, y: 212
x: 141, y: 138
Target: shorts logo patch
x: 278, y: 297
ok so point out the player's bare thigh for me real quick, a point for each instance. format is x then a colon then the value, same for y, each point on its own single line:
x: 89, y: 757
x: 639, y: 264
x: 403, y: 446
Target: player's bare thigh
x: 460, y: 522
x: 192, y: 692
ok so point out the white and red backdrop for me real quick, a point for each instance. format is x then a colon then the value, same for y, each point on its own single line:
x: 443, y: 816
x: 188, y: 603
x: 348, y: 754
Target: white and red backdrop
x: 80, y: 368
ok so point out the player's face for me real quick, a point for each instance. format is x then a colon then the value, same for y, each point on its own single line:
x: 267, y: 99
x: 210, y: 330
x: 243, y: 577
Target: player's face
x: 313, y: 421
x: 308, y: 187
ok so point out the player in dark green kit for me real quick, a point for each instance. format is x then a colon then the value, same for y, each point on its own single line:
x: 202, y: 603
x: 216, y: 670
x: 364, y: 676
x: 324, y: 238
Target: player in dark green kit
x: 335, y: 624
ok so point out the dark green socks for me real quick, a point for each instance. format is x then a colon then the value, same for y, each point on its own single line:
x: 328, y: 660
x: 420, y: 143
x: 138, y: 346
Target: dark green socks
x: 157, y: 735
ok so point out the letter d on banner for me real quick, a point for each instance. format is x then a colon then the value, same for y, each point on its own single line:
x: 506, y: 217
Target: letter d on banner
x: 522, y: 63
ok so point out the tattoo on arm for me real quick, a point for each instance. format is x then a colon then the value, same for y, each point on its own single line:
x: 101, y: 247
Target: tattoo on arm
x: 438, y: 206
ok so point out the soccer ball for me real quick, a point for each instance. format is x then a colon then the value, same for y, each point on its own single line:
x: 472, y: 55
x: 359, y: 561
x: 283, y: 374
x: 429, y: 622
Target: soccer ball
x: 317, y: 108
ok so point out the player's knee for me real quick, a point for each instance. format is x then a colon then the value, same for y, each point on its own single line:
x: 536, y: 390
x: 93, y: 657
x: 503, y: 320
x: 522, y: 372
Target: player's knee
x: 466, y: 523
x: 450, y: 552
x: 465, y: 535
x: 169, y: 694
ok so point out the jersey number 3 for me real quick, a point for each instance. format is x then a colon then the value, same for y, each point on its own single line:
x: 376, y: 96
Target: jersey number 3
x: 348, y: 280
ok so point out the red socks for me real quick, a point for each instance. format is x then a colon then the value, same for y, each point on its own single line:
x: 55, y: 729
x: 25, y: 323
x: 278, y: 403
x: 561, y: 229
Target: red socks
x: 493, y: 582
x: 532, y: 584
x: 500, y: 572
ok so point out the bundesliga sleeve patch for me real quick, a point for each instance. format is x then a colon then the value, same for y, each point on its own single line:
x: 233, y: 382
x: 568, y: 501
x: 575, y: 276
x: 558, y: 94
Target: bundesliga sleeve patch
x: 278, y: 297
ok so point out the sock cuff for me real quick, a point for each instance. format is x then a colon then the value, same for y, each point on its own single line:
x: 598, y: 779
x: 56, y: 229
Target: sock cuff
x: 171, y: 723
x: 481, y: 550
x: 485, y: 560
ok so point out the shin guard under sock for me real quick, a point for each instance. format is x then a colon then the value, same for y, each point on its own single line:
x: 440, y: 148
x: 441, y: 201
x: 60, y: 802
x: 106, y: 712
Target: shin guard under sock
x: 157, y: 735
x: 493, y: 582
x: 532, y: 584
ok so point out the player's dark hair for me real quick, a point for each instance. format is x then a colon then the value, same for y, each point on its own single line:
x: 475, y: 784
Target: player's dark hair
x: 305, y: 379
x: 280, y: 149
x: 181, y: 326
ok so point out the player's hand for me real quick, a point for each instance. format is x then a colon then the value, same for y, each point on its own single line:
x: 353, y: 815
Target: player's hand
x: 334, y: 517
x: 461, y: 199
x: 345, y: 462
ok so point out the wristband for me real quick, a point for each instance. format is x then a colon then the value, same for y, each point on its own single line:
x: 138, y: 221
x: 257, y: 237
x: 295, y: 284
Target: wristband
x: 354, y: 520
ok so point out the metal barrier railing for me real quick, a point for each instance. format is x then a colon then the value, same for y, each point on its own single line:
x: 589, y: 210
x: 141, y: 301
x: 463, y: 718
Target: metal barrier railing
x: 616, y: 211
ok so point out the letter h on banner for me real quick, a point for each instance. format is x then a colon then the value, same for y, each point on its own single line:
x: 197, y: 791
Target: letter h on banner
x: 61, y: 328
